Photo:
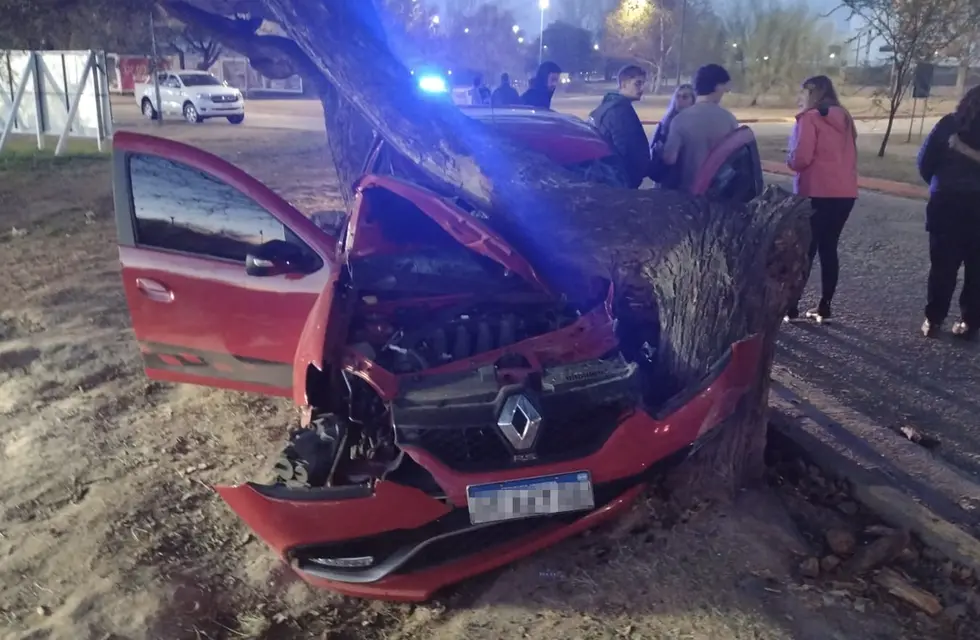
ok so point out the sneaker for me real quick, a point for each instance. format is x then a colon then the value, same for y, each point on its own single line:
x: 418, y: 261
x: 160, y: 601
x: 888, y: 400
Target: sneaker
x: 821, y: 313
x: 963, y: 331
x: 792, y: 315
x: 931, y: 329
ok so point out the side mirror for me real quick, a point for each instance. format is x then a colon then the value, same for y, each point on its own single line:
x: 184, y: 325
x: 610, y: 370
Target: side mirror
x: 276, y: 257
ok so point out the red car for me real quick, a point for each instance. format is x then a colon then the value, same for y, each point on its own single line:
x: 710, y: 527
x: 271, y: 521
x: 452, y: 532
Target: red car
x: 460, y: 414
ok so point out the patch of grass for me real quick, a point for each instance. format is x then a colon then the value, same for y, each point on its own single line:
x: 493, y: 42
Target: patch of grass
x: 20, y: 153
x: 898, y: 163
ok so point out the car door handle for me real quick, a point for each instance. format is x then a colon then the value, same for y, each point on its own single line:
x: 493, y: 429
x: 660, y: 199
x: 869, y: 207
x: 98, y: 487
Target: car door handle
x: 154, y: 290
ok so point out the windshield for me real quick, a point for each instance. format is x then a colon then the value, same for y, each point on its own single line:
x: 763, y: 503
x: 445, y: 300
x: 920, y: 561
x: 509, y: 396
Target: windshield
x: 199, y: 80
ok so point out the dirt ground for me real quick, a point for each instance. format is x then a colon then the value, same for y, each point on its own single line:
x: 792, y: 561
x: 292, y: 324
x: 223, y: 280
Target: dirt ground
x: 109, y: 528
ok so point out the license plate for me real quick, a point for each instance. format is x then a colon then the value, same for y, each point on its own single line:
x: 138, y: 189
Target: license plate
x: 526, y: 497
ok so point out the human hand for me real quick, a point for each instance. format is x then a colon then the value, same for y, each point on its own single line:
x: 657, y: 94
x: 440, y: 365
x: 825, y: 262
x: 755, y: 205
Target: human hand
x: 955, y: 143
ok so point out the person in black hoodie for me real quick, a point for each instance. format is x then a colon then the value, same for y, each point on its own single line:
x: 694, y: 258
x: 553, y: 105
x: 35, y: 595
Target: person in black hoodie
x: 543, y: 86
x: 617, y: 121
x: 505, y: 94
x: 953, y: 218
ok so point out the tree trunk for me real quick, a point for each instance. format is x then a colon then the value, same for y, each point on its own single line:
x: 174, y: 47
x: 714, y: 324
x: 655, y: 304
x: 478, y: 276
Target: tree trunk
x: 692, y: 277
x: 962, y: 72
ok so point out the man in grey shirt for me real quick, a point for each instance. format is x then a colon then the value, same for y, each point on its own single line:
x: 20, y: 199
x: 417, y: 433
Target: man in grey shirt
x: 695, y: 131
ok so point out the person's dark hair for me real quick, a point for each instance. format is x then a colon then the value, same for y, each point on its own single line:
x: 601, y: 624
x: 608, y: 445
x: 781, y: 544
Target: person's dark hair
x: 708, y: 77
x: 968, y: 117
x: 504, y: 78
x: 477, y: 80
x: 546, y: 69
x: 630, y: 72
x: 823, y: 87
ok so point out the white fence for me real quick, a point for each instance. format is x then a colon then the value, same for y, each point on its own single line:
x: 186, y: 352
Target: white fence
x: 54, y: 93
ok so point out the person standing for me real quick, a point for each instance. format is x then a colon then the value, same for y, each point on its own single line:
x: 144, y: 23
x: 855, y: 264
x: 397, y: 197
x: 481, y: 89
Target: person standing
x: 823, y: 155
x: 543, y: 86
x: 505, y: 95
x: 480, y: 93
x: 946, y: 163
x: 695, y: 131
x: 617, y: 121
x: 663, y: 174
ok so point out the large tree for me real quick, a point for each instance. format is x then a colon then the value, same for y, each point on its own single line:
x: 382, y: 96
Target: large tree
x: 914, y: 31
x: 113, y: 25
x: 775, y: 46
x: 646, y: 31
x: 692, y: 276
x: 571, y: 47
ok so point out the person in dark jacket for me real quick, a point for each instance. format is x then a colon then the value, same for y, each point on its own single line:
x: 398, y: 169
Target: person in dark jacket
x: 953, y: 217
x: 617, y: 121
x: 505, y: 94
x: 543, y: 86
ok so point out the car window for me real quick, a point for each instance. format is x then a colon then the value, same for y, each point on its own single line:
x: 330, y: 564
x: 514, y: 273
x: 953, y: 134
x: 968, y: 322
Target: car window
x: 173, y: 82
x: 739, y: 178
x: 180, y: 208
x: 200, y: 80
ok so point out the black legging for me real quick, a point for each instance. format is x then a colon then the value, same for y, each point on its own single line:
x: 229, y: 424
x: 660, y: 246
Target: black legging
x: 826, y: 224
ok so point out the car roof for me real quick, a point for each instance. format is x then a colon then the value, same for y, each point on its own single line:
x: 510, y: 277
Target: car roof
x: 567, y: 139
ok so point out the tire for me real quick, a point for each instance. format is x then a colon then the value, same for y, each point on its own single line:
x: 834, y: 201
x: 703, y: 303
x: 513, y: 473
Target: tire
x: 237, y: 119
x: 148, y: 111
x: 191, y: 114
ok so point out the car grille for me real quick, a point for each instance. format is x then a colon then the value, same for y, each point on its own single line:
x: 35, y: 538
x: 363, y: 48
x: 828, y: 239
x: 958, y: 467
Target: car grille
x: 224, y: 98
x: 565, y: 433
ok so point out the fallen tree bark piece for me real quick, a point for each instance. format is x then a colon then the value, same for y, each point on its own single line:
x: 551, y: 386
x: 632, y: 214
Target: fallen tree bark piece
x: 896, y: 585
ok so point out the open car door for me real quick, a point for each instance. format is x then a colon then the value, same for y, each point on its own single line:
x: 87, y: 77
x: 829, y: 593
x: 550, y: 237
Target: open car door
x: 732, y: 171
x: 220, y: 273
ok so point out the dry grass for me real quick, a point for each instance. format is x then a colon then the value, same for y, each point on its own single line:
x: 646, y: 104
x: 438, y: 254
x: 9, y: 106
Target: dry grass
x: 898, y: 163
x: 109, y: 527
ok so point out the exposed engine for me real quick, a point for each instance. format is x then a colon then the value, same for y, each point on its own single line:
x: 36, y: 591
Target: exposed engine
x: 414, y: 339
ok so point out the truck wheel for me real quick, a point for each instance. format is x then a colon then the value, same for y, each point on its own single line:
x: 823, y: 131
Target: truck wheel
x: 237, y: 119
x: 148, y: 111
x: 191, y: 114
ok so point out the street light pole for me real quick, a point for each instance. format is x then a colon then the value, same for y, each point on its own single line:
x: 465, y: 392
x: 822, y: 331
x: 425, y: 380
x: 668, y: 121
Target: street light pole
x: 543, y: 5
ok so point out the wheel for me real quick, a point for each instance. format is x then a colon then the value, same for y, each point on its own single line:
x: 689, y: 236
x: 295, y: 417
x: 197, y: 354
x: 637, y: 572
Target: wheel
x: 237, y: 119
x: 191, y: 114
x: 148, y: 111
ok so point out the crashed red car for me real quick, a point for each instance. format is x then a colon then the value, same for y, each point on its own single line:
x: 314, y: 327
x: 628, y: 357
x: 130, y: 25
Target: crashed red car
x: 461, y: 414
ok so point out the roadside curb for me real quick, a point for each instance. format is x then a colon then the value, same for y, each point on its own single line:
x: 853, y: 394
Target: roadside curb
x: 902, y: 483
x: 890, y: 187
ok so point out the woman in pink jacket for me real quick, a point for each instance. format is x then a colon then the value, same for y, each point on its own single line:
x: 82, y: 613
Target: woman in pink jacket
x: 823, y: 153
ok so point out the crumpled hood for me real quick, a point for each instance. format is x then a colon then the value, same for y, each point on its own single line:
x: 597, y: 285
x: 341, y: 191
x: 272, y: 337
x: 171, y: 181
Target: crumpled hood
x: 833, y: 116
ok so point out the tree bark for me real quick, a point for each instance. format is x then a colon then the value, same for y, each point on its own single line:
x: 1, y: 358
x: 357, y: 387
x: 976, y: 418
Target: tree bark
x: 692, y: 276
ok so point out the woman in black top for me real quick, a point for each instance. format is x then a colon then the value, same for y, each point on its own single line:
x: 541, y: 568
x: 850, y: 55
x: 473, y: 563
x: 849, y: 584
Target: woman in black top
x: 953, y: 217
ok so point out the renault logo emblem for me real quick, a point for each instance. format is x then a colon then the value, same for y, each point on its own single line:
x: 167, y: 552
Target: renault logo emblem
x: 519, y: 422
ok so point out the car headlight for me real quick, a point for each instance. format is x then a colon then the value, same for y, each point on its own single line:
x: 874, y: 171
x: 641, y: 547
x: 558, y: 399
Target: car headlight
x: 203, y: 96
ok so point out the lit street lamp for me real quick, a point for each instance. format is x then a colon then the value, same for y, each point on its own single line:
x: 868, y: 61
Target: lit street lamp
x: 515, y: 29
x: 435, y: 19
x: 595, y: 47
x: 466, y: 30
x: 543, y: 5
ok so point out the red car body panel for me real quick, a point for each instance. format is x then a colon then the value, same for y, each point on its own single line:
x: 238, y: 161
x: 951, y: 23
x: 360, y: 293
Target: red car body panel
x: 204, y: 321
x: 563, y: 138
x: 263, y: 334
x: 421, y: 586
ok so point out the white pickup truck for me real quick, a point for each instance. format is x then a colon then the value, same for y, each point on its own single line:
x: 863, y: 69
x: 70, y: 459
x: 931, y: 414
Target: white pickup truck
x: 193, y: 95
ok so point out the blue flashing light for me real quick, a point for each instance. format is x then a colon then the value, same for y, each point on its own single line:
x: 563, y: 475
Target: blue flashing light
x: 433, y: 84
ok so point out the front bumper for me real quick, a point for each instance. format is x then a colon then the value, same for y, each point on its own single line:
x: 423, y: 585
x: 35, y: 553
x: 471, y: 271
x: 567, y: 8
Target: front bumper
x: 210, y: 109
x: 419, y: 542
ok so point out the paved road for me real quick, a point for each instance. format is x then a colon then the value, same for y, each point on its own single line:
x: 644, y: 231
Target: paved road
x: 873, y: 357
x: 306, y: 115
